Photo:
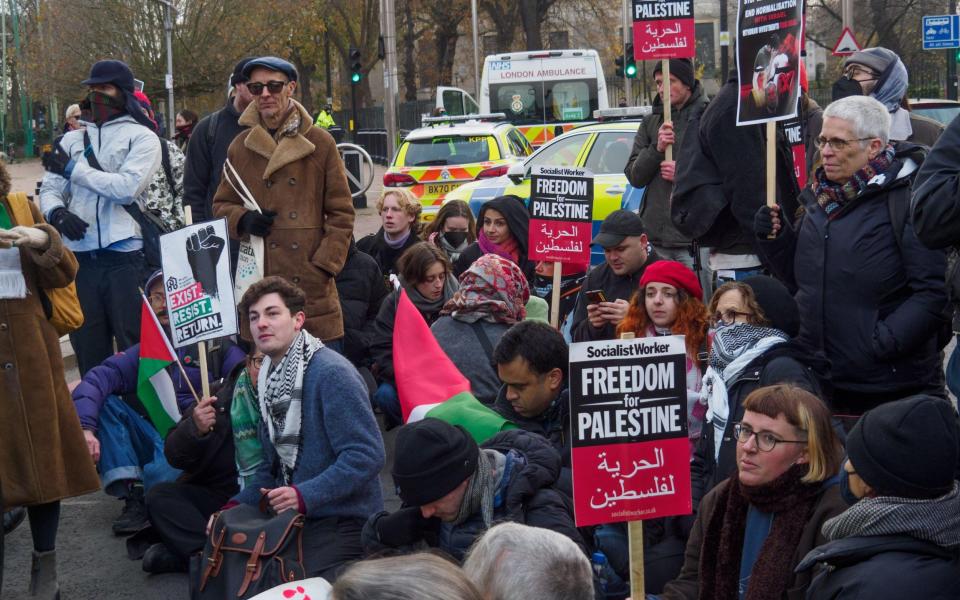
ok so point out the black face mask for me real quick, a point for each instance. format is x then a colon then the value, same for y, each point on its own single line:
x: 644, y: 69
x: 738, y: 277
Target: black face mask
x: 844, y: 87
x: 455, y: 238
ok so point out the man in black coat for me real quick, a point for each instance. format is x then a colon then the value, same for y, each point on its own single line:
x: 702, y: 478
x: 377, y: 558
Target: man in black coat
x: 361, y: 288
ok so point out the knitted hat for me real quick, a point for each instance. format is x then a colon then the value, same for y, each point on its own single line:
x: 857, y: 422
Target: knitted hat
x: 432, y: 458
x: 271, y: 63
x: 681, y: 68
x: 777, y: 304
x: 906, y: 447
x: 676, y: 274
x: 111, y: 71
x: 877, y: 59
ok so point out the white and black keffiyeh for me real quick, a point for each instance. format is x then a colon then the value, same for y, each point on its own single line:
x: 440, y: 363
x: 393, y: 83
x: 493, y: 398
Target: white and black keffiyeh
x: 281, y: 394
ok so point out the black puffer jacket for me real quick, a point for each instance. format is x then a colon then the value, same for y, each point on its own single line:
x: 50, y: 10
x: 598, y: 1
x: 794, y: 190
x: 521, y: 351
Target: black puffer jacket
x: 385, y: 256
x: 872, y: 299
x: 553, y: 424
x: 883, y: 568
x: 361, y: 288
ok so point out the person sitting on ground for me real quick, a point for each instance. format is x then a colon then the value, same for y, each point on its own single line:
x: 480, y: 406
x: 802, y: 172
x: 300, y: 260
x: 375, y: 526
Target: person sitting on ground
x: 425, y: 276
x: 361, y: 288
x: 572, y: 276
x: 245, y: 419
x: 754, y: 528
x: 421, y: 576
x: 454, y: 229
x: 503, y: 224
x: 452, y: 490
x: 491, y: 298
x: 322, y: 449
x: 126, y: 446
x: 627, y: 252
x: 900, y: 538
x: 517, y: 562
x: 399, y: 212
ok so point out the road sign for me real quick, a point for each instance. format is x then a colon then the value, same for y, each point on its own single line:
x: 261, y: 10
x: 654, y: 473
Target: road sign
x: 941, y: 31
x: 847, y: 44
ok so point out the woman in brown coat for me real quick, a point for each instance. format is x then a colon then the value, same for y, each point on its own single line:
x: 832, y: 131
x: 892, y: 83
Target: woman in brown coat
x: 43, y: 457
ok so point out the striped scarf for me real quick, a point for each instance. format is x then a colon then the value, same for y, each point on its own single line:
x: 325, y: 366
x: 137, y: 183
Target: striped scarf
x: 833, y: 196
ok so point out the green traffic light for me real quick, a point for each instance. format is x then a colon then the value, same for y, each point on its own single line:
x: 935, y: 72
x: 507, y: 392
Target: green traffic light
x: 355, y: 78
x: 631, y: 70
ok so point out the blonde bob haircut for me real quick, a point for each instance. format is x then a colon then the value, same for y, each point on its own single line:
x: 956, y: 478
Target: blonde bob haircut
x: 811, y: 417
x: 408, y: 203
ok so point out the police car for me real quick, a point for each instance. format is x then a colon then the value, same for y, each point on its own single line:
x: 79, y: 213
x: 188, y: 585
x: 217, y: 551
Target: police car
x: 602, y: 147
x: 451, y: 151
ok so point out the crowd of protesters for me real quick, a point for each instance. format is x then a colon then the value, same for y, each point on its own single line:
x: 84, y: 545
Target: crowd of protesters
x: 823, y: 444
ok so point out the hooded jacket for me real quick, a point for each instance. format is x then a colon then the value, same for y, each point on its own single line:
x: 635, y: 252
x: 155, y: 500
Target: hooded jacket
x: 518, y: 221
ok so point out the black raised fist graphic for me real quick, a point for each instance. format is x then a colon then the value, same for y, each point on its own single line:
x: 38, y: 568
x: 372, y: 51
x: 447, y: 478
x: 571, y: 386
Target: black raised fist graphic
x: 203, y: 252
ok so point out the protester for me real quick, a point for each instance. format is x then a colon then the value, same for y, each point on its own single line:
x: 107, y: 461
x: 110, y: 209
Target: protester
x: 362, y: 289
x: 492, y: 296
x: 503, y: 224
x: 87, y: 201
x: 425, y: 277
x: 901, y: 536
x: 127, y: 447
x: 512, y: 561
x: 184, y: 123
x: 454, y: 229
x: 873, y: 303
x: 42, y: 455
x: 623, y: 238
x: 421, y: 576
x: 879, y: 73
x: 754, y: 528
x: 755, y: 321
x: 399, y: 213
x: 298, y: 179
x: 208, y: 145
x: 71, y: 118
x: 322, y: 451
x: 245, y: 419
x: 452, y: 490
x: 572, y: 276
x: 647, y: 165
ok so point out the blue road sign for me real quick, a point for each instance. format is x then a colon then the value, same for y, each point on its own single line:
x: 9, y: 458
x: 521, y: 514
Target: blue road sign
x: 941, y: 31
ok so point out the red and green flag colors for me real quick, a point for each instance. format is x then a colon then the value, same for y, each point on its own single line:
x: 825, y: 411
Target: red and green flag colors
x: 429, y: 384
x: 154, y: 385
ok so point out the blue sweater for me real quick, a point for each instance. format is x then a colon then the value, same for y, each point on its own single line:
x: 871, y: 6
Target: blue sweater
x: 341, y: 453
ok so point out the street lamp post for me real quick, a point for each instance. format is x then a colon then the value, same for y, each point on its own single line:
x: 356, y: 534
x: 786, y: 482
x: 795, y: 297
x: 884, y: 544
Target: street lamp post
x: 168, y: 12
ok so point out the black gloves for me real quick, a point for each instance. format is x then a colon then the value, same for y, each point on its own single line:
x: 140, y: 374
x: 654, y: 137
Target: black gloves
x: 68, y: 224
x: 403, y: 527
x: 58, y: 162
x: 203, y: 252
x: 255, y: 223
x: 763, y: 222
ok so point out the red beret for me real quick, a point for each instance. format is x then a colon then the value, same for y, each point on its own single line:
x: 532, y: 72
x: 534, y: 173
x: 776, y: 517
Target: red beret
x: 676, y: 274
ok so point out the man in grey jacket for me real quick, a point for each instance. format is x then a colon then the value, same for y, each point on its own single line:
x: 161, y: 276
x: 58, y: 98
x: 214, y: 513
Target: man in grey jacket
x: 94, y: 178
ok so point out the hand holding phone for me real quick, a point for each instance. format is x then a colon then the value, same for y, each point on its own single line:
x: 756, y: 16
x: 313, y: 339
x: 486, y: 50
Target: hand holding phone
x: 596, y: 296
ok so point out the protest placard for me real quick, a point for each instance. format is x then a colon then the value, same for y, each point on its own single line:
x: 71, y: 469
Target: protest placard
x: 561, y: 214
x: 628, y: 413
x: 663, y: 29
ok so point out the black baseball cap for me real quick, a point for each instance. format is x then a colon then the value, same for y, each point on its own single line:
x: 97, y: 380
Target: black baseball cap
x: 618, y: 225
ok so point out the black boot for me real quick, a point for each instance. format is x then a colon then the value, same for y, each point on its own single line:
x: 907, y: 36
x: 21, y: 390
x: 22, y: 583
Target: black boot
x: 159, y: 559
x: 133, y: 518
x: 12, y: 518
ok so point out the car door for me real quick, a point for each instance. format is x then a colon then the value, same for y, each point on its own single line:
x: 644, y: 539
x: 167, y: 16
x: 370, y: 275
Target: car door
x: 456, y: 102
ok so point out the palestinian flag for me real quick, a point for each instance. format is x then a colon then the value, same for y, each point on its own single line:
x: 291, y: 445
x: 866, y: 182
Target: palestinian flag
x: 429, y: 384
x: 154, y: 385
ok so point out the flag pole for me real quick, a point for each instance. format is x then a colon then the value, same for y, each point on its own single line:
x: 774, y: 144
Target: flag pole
x: 176, y: 358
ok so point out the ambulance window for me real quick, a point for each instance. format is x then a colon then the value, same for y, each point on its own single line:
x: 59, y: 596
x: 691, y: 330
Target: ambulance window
x: 560, y: 154
x: 610, y: 152
x: 570, y: 100
x: 521, y: 102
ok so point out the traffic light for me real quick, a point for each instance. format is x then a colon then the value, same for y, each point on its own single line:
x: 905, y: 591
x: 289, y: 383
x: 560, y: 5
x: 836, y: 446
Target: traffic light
x: 619, y: 61
x: 630, y: 64
x: 355, y: 66
x: 958, y: 56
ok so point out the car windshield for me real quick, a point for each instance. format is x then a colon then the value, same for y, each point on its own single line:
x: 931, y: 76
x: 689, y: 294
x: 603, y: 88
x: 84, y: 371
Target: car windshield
x: 944, y: 113
x: 447, y: 150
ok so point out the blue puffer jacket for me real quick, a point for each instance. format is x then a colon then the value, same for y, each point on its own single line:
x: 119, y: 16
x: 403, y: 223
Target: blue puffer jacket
x: 872, y: 302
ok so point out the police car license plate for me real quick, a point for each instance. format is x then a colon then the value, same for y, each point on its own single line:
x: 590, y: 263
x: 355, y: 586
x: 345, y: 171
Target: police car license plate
x: 439, y: 189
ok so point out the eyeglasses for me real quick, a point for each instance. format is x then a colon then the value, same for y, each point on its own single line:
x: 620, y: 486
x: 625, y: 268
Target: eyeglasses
x: 274, y: 87
x: 766, y: 441
x: 157, y: 298
x: 728, y: 316
x: 854, y: 70
x: 836, y: 143
x: 257, y: 361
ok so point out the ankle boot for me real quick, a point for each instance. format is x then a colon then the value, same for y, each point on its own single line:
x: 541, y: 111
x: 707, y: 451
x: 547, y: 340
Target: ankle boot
x: 43, y: 576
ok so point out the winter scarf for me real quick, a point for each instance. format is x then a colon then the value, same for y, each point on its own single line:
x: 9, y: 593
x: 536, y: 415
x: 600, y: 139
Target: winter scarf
x: 452, y: 253
x: 281, y: 395
x: 430, y: 309
x: 790, y: 500
x: 244, y: 419
x: 483, y: 485
x: 12, y: 283
x: 936, y: 520
x: 734, y: 347
x: 397, y: 243
x: 510, y: 249
x: 514, y: 211
x: 492, y: 289
x: 832, y: 196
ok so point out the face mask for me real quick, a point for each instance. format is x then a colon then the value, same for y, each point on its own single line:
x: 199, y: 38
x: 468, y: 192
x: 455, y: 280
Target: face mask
x: 848, y: 496
x: 844, y: 87
x: 455, y: 238
x: 104, y: 107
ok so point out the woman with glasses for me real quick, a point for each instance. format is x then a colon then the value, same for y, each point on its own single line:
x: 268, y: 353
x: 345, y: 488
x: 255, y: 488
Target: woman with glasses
x: 754, y: 528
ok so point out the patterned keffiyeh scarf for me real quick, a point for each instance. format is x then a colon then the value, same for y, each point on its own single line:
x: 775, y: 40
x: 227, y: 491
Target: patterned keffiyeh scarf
x: 493, y: 289
x: 833, y: 196
x: 281, y: 395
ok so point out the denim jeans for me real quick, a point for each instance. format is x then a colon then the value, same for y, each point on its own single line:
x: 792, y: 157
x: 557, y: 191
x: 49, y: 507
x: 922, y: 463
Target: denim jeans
x: 388, y: 401
x: 130, y: 448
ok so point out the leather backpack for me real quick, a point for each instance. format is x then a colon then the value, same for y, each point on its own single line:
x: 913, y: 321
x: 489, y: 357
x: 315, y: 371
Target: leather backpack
x: 249, y: 550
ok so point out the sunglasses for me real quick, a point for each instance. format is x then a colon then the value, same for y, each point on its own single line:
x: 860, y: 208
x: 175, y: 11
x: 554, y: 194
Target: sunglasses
x: 274, y: 87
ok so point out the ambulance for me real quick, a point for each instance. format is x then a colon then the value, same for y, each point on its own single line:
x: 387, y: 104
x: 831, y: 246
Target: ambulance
x: 544, y: 93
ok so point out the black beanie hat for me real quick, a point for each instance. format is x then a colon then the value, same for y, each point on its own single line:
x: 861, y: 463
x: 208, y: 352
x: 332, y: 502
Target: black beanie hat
x: 432, y: 458
x: 906, y: 447
x: 681, y: 68
x: 777, y: 304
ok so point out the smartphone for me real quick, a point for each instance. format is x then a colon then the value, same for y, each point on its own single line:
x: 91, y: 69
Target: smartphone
x: 596, y: 296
